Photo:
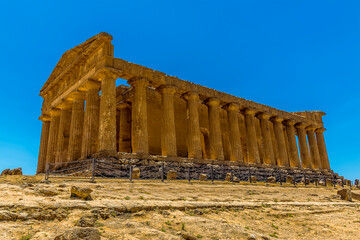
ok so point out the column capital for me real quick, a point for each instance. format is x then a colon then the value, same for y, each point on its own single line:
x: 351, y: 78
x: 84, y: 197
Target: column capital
x: 76, y: 95
x: 138, y: 81
x: 277, y: 119
x: 301, y: 125
x: 263, y: 115
x: 212, y: 101
x: 232, y: 107
x: 167, y: 88
x: 249, y: 111
x: 290, y: 122
x: 44, y: 118
x: 54, y: 112
x: 123, y: 105
x: 64, y: 104
x: 91, y: 84
x: 310, y: 128
x: 320, y: 130
x: 106, y: 73
x: 190, y: 96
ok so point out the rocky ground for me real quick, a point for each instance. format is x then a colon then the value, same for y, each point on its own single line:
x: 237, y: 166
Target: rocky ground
x: 31, y: 209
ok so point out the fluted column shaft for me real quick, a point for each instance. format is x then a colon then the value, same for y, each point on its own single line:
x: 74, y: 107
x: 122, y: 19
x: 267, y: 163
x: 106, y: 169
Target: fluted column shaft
x: 76, y: 126
x: 293, y: 149
x: 168, y: 133
x: 107, y: 113
x: 254, y: 156
x: 236, y: 153
x: 91, y: 120
x: 139, y: 128
x: 269, y: 156
x: 314, y: 151
x: 125, y: 127
x: 53, y: 136
x: 325, y: 164
x: 43, y: 144
x: 216, y: 146
x: 193, y: 130
x: 303, y: 146
x: 280, y: 141
x: 64, y: 132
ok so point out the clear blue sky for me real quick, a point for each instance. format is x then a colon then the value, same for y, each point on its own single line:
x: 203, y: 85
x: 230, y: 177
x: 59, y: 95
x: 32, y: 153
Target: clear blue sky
x: 292, y: 55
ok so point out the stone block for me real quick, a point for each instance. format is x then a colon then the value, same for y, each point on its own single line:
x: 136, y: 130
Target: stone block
x: 329, y: 182
x: 271, y: 179
x: 348, y: 182
x: 228, y: 177
x: 136, y: 173
x: 357, y: 182
x: 78, y: 192
x: 171, y: 175
x: 321, y: 182
x: 202, y: 177
x: 16, y: 171
x: 253, y: 179
x: 5, y: 172
x: 289, y: 179
x: 345, y: 194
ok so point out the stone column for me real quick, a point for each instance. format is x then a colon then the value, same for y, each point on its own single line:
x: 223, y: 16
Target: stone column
x: 303, y: 146
x: 125, y: 127
x: 325, y: 164
x: 139, y: 128
x: 253, y: 150
x: 76, y: 125
x: 216, y: 146
x: 168, y: 134
x: 280, y: 141
x: 64, y: 133
x: 91, y: 119
x: 53, y: 136
x: 107, y: 113
x: 269, y: 156
x: 293, y: 149
x: 193, y: 130
x: 43, y: 143
x: 235, y: 138
x: 314, y: 151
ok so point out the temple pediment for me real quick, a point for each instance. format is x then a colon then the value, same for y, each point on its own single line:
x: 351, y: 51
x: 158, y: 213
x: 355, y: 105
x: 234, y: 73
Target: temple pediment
x: 75, y: 57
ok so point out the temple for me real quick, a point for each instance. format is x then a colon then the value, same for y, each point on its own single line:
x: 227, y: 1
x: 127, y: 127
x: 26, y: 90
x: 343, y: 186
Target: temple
x: 85, y: 115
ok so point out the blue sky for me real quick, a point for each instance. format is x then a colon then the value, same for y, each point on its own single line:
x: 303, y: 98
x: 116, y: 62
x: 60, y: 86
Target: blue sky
x: 292, y: 55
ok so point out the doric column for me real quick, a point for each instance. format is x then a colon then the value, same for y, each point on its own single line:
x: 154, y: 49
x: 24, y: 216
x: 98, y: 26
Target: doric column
x: 168, y: 134
x: 125, y: 127
x: 53, y: 136
x: 91, y: 119
x: 253, y: 150
x: 314, y: 151
x: 216, y: 146
x: 43, y: 143
x: 280, y: 141
x: 139, y: 128
x: 107, y: 113
x: 269, y: 156
x: 325, y: 164
x: 235, y: 139
x: 193, y: 130
x: 293, y: 149
x: 303, y: 146
x: 76, y: 125
x: 64, y: 132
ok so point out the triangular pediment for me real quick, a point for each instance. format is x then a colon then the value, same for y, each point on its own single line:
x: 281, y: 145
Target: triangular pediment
x: 71, y: 56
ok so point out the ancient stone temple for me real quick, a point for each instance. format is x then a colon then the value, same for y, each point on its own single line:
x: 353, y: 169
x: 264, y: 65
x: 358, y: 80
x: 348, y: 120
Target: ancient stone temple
x: 157, y: 116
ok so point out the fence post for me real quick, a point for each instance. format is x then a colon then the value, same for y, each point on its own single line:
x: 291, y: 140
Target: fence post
x: 47, y: 171
x: 131, y: 171
x: 280, y: 178
x: 93, y: 170
x: 189, y: 177
x: 162, y: 172
x: 316, y: 182
x: 232, y: 176
x: 249, y: 175
x: 212, y: 174
x: 342, y: 183
x: 266, y: 177
x: 294, y: 180
x: 304, y: 179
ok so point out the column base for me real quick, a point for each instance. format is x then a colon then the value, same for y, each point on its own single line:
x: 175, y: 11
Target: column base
x: 105, y: 153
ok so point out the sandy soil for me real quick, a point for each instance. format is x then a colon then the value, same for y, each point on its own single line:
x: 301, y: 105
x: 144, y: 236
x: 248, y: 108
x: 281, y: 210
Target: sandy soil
x: 30, y: 209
